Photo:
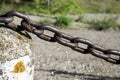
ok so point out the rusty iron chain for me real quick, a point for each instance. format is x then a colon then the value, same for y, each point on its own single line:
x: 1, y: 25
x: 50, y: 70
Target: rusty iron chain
x: 109, y: 55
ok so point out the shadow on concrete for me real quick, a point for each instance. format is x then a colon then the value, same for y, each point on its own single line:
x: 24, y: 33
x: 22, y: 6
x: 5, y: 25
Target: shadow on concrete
x: 22, y: 32
x: 85, y: 76
x: 2, y: 25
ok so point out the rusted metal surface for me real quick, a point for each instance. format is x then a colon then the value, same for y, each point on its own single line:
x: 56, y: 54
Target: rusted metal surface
x: 109, y: 55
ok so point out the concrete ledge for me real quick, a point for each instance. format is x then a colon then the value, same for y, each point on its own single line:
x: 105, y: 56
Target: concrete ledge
x: 16, y: 56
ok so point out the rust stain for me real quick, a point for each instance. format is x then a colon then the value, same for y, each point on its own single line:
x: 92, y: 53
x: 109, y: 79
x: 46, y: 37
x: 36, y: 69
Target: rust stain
x: 19, y: 67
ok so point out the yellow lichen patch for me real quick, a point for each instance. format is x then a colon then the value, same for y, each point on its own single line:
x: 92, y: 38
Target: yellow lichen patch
x: 20, y: 36
x: 19, y: 67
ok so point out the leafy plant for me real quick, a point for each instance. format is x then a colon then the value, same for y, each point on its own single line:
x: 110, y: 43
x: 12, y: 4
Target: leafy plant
x: 63, y: 21
x: 104, y: 24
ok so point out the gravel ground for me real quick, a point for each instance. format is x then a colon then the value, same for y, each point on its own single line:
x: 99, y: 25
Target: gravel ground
x: 56, y: 62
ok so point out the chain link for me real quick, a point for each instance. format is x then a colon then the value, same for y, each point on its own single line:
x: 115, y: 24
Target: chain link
x: 109, y: 55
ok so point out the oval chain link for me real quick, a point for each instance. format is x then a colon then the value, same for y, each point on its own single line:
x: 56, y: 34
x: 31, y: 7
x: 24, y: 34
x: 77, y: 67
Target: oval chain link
x: 109, y: 55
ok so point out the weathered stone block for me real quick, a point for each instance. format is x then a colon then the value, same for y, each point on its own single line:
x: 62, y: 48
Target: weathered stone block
x: 16, y: 57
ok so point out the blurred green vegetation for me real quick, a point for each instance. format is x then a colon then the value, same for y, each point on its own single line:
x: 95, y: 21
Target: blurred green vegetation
x: 65, y: 7
x: 63, y: 21
x: 104, y: 24
x: 61, y: 6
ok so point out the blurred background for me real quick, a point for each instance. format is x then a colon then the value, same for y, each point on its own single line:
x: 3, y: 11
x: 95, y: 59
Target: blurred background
x: 76, y: 14
x: 61, y: 6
